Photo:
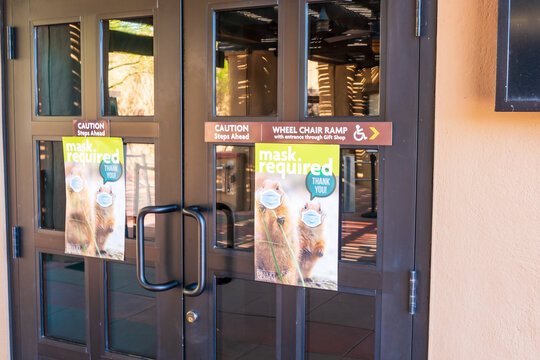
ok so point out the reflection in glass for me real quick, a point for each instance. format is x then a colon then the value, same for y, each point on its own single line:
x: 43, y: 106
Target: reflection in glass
x: 339, y: 325
x: 359, y: 216
x: 58, y: 69
x: 128, y: 66
x: 140, y: 186
x: 52, y: 190
x: 343, y: 58
x: 235, y: 166
x: 245, y: 319
x: 131, y: 312
x: 64, y: 310
x: 246, y: 62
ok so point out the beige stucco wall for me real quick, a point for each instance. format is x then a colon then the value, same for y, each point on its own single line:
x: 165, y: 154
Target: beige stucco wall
x: 485, y: 277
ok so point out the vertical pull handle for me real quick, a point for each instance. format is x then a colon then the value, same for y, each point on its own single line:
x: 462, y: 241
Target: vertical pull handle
x: 139, y: 244
x: 197, y: 288
x: 230, y: 222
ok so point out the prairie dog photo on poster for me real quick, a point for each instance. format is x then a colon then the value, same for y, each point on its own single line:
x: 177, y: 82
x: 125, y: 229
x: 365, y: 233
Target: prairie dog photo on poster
x: 95, y: 197
x: 296, y: 214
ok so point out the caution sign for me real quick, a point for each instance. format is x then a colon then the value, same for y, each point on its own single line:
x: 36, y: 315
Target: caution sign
x: 342, y: 133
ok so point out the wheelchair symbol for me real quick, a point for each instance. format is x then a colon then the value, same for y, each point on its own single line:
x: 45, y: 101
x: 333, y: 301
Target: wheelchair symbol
x: 359, y: 134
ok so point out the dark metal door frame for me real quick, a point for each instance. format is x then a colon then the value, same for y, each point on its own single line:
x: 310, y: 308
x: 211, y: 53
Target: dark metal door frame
x: 424, y: 185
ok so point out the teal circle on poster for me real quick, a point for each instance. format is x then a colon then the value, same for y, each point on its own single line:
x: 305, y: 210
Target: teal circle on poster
x: 320, y: 185
x: 110, y: 171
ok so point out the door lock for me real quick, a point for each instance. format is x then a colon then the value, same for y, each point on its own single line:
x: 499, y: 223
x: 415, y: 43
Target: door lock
x: 192, y: 316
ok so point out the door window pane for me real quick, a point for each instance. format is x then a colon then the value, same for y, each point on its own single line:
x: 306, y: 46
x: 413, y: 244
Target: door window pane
x: 234, y: 201
x: 58, y: 69
x: 343, y: 58
x: 235, y: 167
x: 245, y: 319
x: 140, y: 185
x: 246, y: 62
x: 128, y: 67
x: 359, y: 215
x: 131, y: 311
x: 64, y: 310
x: 52, y: 185
x: 339, y: 326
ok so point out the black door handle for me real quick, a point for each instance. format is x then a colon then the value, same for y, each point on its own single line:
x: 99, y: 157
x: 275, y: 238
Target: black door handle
x: 197, y: 288
x: 230, y: 222
x: 139, y: 244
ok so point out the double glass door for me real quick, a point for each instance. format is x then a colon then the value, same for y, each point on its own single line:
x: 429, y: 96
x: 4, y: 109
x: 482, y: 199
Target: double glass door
x: 158, y: 72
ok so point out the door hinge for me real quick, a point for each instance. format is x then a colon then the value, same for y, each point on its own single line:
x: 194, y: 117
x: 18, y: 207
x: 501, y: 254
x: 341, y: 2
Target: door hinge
x: 418, y: 30
x: 413, y: 283
x: 11, y: 42
x: 16, y: 241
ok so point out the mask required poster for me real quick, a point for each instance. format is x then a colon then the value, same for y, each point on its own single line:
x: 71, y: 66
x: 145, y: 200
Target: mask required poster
x: 95, y: 196
x: 296, y: 214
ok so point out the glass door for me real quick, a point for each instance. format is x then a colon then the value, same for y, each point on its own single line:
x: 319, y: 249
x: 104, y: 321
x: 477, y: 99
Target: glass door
x: 93, y: 60
x: 297, y: 61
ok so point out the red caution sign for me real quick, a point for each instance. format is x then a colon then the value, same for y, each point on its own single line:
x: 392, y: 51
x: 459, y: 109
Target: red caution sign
x: 341, y: 133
